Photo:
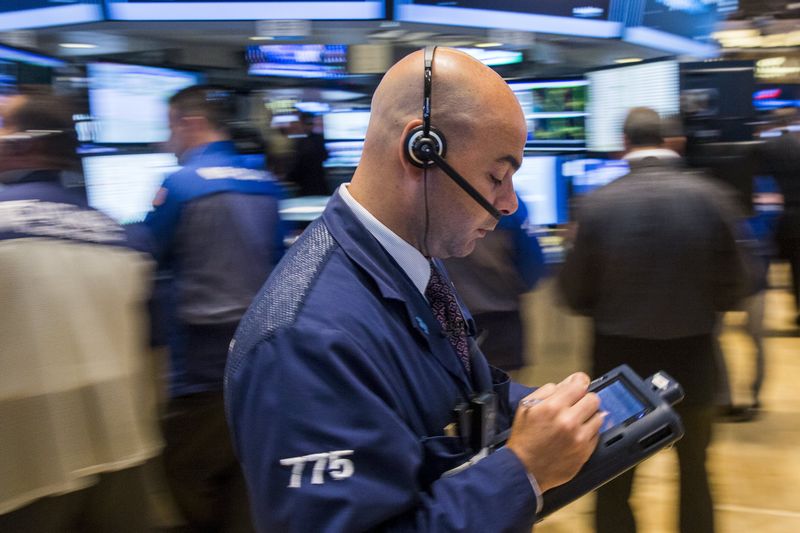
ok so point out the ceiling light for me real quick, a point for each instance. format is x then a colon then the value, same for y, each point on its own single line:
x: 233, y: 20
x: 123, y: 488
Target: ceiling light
x: 487, y: 45
x: 262, y: 38
x: 624, y: 60
x: 77, y: 45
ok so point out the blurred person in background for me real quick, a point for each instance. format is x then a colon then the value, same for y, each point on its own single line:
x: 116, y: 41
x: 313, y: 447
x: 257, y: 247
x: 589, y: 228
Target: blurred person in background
x: 77, y: 400
x: 655, y: 258
x: 310, y: 153
x: 779, y: 157
x: 491, y: 280
x: 217, y: 232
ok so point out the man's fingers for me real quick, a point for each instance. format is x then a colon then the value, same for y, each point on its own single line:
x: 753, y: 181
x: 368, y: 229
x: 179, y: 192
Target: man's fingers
x: 569, y: 391
x: 543, y: 392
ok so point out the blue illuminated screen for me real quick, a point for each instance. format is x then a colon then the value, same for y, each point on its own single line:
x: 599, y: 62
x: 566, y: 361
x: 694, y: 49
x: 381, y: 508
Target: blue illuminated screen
x: 591, y: 18
x: 541, y: 186
x: 245, y: 9
x: 24, y: 14
x: 597, y: 9
x: 592, y: 173
x: 621, y: 405
x: 325, y: 61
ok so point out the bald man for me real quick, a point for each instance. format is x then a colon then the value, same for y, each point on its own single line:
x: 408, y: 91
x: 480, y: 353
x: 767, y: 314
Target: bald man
x: 344, y: 375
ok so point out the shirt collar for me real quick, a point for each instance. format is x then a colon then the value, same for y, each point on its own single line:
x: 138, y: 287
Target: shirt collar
x: 658, y: 153
x: 411, y: 260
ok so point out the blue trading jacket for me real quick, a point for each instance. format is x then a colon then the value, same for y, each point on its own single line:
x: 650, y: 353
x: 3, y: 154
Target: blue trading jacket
x: 218, y: 234
x: 338, y: 388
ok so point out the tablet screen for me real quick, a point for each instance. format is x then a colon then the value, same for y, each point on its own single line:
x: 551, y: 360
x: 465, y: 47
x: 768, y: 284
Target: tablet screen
x: 622, y: 404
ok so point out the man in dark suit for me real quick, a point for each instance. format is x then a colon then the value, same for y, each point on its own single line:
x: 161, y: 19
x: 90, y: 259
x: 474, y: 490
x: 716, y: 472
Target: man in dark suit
x: 655, y: 259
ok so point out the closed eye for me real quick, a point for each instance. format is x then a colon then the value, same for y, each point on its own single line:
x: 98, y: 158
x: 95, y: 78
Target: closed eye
x: 496, y: 182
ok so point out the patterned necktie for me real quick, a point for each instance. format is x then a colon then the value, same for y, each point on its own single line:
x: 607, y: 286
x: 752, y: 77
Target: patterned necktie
x: 442, y: 299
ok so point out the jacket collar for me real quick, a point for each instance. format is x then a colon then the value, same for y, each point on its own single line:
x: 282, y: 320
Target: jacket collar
x: 365, y: 251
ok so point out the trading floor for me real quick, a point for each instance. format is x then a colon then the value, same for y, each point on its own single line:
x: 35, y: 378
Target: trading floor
x: 754, y: 466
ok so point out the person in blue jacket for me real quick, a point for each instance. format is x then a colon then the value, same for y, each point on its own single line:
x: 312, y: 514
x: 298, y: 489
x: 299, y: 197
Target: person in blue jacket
x: 217, y: 235
x: 344, y: 374
x: 492, y: 279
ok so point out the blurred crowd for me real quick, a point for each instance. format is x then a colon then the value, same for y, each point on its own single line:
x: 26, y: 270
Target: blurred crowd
x: 654, y: 259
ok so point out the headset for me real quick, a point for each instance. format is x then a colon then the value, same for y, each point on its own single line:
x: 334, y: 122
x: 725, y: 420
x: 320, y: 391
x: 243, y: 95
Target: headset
x: 426, y: 145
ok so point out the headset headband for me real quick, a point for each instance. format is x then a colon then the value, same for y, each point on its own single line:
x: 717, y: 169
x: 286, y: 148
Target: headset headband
x: 426, y: 101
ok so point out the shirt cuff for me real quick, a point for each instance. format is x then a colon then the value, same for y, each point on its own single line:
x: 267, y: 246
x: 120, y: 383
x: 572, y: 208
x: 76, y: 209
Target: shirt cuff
x: 537, y: 491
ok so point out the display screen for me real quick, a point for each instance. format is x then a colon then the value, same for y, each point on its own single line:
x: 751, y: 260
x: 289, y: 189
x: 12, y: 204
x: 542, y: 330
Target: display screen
x: 123, y: 186
x: 130, y: 102
x: 592, y: 18
x: 555, y: 111
x: 344, y: 133
x: 776, y: 97
x: 587, y: 175
x: 346, y: 125
x: 613, y: 92
x: 245, y: 9
x: 621, y: 403
x: 541, y: 186
x: 298, y: 60
x: 677, y: 26
x: 493, y: 57
x: 26, y: 14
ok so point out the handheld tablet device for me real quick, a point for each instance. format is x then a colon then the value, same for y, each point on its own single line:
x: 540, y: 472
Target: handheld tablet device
x: 640, y: 422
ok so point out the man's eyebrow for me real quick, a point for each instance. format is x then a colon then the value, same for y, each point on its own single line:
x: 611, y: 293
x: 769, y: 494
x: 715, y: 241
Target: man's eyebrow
x: 511, y: 160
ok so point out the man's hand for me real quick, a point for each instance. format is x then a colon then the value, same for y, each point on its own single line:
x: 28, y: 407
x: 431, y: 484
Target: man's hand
x: 556, y: 430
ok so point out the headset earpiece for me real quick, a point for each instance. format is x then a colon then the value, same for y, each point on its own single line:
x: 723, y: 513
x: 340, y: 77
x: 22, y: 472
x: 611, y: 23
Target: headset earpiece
x: 419, y: 146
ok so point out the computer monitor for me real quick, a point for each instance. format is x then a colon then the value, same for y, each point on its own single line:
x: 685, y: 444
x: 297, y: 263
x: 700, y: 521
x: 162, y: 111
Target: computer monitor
x: 614, y: 91
x: 590, y: 18
x: 130, y: 102
x: 586, y: 175
x: 245, y: 10
x: 321, y: 61
x: 349, y: 125
x: 540, y: 184
x: 555, y: 111
x: 123, y: 185
x: 344, y: 133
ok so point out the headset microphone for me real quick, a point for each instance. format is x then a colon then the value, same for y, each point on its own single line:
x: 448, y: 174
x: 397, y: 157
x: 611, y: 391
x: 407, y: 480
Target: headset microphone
x: 426, y: 145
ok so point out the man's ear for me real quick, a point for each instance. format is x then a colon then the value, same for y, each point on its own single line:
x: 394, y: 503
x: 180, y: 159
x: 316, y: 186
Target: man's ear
x: 409, y: 169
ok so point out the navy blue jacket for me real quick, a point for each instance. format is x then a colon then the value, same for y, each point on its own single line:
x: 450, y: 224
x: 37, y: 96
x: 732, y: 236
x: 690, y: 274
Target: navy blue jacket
x: 218, y: 234
x: 338, y: 388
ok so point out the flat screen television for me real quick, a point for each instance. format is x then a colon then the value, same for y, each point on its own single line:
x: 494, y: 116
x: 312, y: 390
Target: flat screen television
x: 590, y: 18
x: 28, y: 14
x: 614, y: 91
x: 130, y: 102
x: 245, y: 10
x: 494, y: 57
x: 587, y: 174
x: 541, y: 185
x: 768, y: 97
x: 344, y: 133
x: 123, y: 185
x: 555, y: 111
x: 325, y: 61
x: 349, y: 125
